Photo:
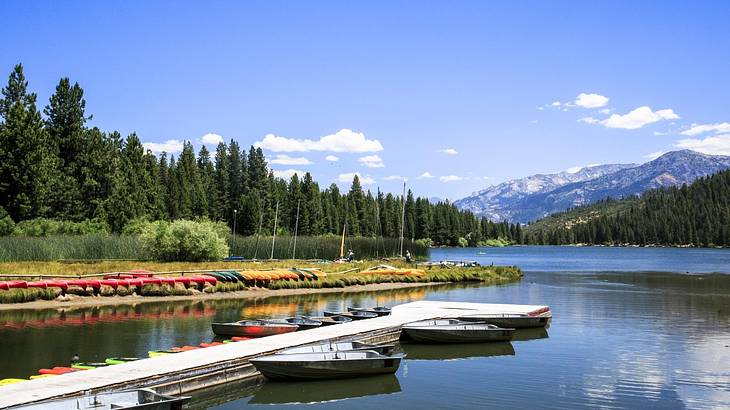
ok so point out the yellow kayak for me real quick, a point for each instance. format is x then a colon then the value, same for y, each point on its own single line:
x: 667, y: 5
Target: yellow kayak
x: 3, y: 382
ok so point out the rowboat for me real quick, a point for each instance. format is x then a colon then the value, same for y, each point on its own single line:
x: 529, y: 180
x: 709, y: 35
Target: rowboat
x: 325, y: 391
x: 378, y: 310
x: 253, y: 328
x: 332, y: 365
x: 120, y: 360
x: 134, y: 399
x: 331, y: 320
x: 339, y: 347
x: 435, y: 331
x: 513, y: 320
x: 356, y: 315
x: 304, y: 323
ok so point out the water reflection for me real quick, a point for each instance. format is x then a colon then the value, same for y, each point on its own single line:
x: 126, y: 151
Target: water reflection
x: 456, y: 352
x: 325, y: 390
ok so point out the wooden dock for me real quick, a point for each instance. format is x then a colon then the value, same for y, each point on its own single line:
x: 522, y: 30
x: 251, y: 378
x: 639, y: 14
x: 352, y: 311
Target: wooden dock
x: 181, y: 373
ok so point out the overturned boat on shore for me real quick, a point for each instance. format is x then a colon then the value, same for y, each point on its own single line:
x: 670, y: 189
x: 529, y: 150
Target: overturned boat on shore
x: 331, y: 365
x: 456, y: 331
x: 253, y: 328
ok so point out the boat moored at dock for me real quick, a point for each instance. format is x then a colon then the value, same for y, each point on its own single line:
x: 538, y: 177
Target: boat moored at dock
x: 304, y: 323
x: 145, y: 399
x: 441, y: 331
x: 253, y: 328
x: 339, y: 347
x: 509, y: 320
x: 378, y: 310
x: 332, y: 365
x: 355, y: 315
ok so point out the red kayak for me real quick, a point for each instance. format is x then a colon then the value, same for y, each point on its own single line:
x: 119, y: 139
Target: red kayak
x: 58, y: 370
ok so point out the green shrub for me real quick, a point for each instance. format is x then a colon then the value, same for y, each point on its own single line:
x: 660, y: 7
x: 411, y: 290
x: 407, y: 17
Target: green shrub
x: 183, y: 240
x: 425, y: 242
x: 463, y: 242
x: 6, y: 223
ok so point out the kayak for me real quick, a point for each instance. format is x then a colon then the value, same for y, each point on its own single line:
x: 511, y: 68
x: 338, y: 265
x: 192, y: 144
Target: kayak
x: 42, y: 376
x: 88, y: 366
x: 58, y: 370
x: 3, y: 382
x: 120, y: 360
x: 158, y: 353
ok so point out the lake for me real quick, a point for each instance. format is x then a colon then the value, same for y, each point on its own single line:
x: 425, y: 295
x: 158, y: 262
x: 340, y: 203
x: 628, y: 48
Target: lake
x: 632, y: 328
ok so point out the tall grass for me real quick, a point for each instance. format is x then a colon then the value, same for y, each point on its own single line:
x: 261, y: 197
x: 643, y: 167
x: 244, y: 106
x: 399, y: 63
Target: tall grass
x: 22, y: 248
x: 321, y: 247
x: 57, y: 247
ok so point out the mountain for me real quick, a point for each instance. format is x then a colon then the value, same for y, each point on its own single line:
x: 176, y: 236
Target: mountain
x: 694, y: 215
x: 502, y: 202
x: 535, y: 197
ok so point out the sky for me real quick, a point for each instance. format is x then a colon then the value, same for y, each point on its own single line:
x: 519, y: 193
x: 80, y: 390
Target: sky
x: 452, y: 96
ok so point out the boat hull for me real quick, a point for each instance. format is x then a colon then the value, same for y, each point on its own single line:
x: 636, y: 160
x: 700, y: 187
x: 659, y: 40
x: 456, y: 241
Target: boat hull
x: 458, y: 334
x: 354, y: 315
x: 380, y: 311
x: 259, y: 330
x: 326, y: 369
x: 340, y: 347
x: 515, y: 322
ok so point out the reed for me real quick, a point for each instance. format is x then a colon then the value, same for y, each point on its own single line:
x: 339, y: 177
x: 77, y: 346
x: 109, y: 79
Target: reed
x: 25, y: 248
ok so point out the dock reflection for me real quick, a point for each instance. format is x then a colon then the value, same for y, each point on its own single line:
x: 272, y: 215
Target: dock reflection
x: 325, y: 391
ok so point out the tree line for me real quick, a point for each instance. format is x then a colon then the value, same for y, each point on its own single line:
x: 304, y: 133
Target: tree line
x: 691, y: 215
x: 52, y: 165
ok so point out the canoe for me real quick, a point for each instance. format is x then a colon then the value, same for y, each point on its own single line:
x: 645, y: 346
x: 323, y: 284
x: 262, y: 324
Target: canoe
x: 331, y: 320
x: 333, y: 365
x: 356, y: 315
x: 88, y: 366
x: 304, y: 323
x: 253, y: 328
x: 41, y: 376
x: 513, y: 320
x: 120, y: 360
x: 240, y: 338
x: 339, y: 347
x: 429, y: 332
x: 145, y: 399
x: 378, y: 310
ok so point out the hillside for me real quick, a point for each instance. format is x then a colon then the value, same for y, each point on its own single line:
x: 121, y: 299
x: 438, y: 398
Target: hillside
x: 693, y: 215
x: 555, y: 194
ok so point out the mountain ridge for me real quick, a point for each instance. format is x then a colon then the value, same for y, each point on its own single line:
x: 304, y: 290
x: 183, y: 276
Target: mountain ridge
x: 537, y: 196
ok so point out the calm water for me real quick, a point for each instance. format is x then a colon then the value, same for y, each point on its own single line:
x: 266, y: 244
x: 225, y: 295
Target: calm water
x: 626, y: 333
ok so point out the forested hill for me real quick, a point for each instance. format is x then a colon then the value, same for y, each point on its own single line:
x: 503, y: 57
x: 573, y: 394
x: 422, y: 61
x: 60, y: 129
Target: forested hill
x: 53, y: 166
x: 693, y: 215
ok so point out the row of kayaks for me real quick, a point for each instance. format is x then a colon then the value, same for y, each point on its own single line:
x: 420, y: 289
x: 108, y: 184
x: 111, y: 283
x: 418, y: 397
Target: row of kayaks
x: 269, y: 327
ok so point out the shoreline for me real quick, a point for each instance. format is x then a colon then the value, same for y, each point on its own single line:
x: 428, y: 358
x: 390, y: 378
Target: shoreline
x: 256, y: 293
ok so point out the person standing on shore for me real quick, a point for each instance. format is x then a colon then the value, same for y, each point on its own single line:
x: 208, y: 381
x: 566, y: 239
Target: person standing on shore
x: 350, y: 255
x: 408, y: 257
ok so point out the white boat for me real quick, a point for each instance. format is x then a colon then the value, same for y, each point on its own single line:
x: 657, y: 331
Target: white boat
x: 513, y: 320
x: 143, y: 399
x: 333, y: 365
x: 441, y: 331
x: 339, y: 347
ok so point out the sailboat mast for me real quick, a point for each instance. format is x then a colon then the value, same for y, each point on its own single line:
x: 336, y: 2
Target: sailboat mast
x: 403, y: 219
x: 344, y: 229
x: 273, y: 240
x: 296, y: 228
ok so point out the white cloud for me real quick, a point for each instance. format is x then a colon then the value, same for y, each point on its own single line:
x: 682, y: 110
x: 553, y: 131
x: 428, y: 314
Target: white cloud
x: 425, y: 175
x: 331, y: 158
x: 450, y: 178
x: 349, y: 176
x: 371, y: 161
x: 591, y: 100
x: 395, y: 178
x: 448, y: 151
x: 287, y: 173
x: 344, y: 140
x: 697, y: 129
x: 555, y: 104
x: 169, y: 146
x: 715, y: 145
x: 589, y: 120
x: 605, y: 110
x: 283, y: 159
x: 211, y: 139
x: 638, y: 118
x: 654, y: 155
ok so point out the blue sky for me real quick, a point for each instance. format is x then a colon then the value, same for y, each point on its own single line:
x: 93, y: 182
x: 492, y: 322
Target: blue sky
x: 464, y: 92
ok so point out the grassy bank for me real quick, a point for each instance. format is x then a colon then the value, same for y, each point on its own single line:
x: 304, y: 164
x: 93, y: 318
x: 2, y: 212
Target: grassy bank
x: 332, y: 276
x: 65, y: 247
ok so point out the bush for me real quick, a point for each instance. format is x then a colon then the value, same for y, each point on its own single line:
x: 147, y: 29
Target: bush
x: 184, y: 240
x: 463, y: 242
x: 425, y: 242
x: 6, y: 223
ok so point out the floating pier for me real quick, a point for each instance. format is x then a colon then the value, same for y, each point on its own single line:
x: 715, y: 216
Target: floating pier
x: 185, y: 372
